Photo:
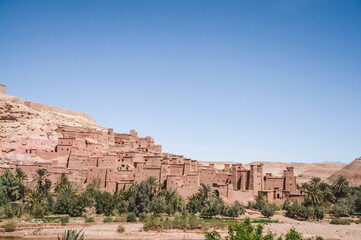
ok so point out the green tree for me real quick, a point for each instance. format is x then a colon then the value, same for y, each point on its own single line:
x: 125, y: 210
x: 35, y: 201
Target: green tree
x: 43, y: 183
x: 340, y: 187
x: 69, y: 201
x: 63, y: 182
x: 153, y: 184
x: 195, y: 204
x: 143, y: 195
x: 106, y: 203
x: 11, y: 187
x: 268, y: 210
x: 212, y: 207
x: 158, y: 205
x: 34, y: 201
x: 174, y: 202
x: 206, y: 192
x: 19, y: 173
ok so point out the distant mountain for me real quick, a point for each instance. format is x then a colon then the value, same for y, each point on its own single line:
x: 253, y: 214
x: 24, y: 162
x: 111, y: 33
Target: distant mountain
x: 333, y: 162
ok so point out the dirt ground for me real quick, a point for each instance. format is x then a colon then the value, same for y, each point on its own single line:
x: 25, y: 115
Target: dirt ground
x: 133, y: 231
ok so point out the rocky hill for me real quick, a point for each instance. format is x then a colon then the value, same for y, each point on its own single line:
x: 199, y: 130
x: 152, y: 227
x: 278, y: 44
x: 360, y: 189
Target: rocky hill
x: 351, y: 171
x: 28, y: 125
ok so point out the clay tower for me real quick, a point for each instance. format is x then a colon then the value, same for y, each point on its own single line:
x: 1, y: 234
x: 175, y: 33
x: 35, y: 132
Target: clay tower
x: 2, y: 89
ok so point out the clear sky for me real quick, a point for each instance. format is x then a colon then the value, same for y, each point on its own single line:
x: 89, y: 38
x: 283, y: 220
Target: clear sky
x: 213, y: 80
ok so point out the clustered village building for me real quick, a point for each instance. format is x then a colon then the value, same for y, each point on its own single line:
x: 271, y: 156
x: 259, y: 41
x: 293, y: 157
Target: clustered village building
x: 117, y: 160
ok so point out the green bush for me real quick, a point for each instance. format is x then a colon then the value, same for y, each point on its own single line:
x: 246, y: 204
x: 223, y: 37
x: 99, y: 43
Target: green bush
x: 319, y: 213
x: 245, y: 230
x: 268, y: 210
x: 64, y: 220
x: 9, y: 226
x: 234, y: 210
x: 108, y: 219
x: 286, y: 205
x: 89, y: 220
x: 144, y: 216
x: 11, y: 210
x: 214, y: 235
x: 131, y: 217
x: 120, y: 229
x: 339, y: 221
x: 302, y: 212
x: 341, y: 209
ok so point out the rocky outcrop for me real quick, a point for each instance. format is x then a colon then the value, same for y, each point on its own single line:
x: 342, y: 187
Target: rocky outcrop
x: 351, y: 171
x: 27, y: 125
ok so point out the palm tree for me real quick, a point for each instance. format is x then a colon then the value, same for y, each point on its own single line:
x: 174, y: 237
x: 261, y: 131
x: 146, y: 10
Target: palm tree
x: 34, y: 201
x: 40, y: 176
x: 153, y: 184
x: 340, y: 186
x: 169, y: 194
x: 206, y: 192
x: 315, y: 181
x: 43, y: 183
x: 63, y: 182
x: 72, y: 235
x: 19, y: 173
x: 314, y: 195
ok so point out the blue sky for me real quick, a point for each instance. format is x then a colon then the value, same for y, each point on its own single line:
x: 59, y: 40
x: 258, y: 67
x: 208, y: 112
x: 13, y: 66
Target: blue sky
x: 213, y: 80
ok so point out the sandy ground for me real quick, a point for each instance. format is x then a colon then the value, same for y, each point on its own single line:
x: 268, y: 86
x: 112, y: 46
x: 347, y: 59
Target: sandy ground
x: 106, y: 231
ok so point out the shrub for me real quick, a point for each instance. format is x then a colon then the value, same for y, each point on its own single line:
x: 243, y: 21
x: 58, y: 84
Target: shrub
x: 120, y: 229
x: 246, y: 230
x: 144, y: 216
x: 241, y: 230
x: 131, y: 217
x: 293, y: 235
x: 298, y: 211
x: 268, y: 210
x: 64, y: 220
x: 234, y: 210
x: 339, y: 221
x: 214, y: 235
x: 319, y: 213
x: 260, y: 202
x: 9, y: 226
x: 11, y: 210
x: 108, y: 219
x: 286, y: 205
x: 89, y: 219
x: 341, y: 209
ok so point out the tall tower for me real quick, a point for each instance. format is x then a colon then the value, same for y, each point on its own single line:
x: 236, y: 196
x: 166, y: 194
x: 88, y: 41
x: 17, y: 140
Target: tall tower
x: 256, y: 178
x: 290, y: 179
x: 2, y: 88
